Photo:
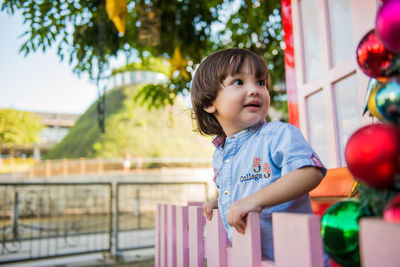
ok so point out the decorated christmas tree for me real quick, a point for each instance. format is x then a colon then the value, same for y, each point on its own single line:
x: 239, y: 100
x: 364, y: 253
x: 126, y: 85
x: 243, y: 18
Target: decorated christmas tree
x: 372, y: 153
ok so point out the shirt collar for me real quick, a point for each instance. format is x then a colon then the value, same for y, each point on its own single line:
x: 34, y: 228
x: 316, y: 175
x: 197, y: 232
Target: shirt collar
x: 220, y: 139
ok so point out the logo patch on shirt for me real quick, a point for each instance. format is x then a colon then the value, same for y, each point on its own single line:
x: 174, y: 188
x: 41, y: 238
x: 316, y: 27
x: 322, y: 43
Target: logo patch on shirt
x: 257, y: 174
x: 317, y: 162
x: 267, y: 170
x: 215, y: 174
x: 257, y: 164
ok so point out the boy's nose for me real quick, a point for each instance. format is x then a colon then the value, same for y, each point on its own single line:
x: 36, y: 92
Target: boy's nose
x: 253, y: 90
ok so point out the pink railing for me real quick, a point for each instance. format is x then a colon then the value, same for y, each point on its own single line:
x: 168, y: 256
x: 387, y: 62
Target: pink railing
x: 184, y: 238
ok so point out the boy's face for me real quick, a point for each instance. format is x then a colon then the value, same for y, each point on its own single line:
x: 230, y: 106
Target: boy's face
x: 242, y: 102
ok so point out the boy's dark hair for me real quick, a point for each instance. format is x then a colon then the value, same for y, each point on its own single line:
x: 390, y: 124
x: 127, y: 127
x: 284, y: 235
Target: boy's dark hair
x: 208, y: 79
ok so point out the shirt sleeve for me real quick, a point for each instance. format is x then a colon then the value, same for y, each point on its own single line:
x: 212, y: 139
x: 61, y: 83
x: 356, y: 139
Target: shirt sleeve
x: 290, y: 151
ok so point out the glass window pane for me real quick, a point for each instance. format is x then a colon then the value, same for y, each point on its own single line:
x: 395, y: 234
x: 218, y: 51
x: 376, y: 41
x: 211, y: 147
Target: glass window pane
x: 312, y: 51
x: 348, y: 111
x: 341, y: 30
x: 317, y: 125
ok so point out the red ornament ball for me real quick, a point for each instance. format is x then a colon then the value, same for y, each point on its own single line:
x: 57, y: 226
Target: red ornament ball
x: 392, y: 211
x: 387, y: 25
x: 372, y: 154
x: 372, y: 57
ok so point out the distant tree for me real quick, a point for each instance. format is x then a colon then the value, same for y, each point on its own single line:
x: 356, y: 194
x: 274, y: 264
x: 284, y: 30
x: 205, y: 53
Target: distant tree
x: 182, y: 31
x: 18, y: 128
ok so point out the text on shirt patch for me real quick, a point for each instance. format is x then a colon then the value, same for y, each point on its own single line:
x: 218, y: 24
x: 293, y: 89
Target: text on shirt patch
x: 257, y: 167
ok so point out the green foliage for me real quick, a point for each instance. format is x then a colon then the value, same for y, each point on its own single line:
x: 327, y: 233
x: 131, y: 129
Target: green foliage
x: 81, y: 30
x: 373, y: 201
x: 257, y: 26
x: 166, y: 132
x: 159, y: 65
x: 18, y: 127
x: 162, y: 94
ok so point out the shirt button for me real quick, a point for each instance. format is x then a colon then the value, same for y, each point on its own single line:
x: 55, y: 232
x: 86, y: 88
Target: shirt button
x: 227, y: 161
x: 226, y: 192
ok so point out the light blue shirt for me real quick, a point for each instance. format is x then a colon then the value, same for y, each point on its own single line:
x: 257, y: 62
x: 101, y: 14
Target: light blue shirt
x: 253, y: 159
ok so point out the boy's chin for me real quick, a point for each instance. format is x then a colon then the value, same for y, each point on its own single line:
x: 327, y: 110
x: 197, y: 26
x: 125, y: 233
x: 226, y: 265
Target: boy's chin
x: 256, y: 121
x: 253, y: 123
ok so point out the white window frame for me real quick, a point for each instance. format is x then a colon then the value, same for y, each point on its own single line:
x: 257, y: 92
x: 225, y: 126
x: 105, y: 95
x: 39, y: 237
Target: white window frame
x: 363, y: 19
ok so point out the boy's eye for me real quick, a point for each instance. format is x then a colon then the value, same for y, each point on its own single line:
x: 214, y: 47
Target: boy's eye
x: 261, y: 82
x: 237, y: 82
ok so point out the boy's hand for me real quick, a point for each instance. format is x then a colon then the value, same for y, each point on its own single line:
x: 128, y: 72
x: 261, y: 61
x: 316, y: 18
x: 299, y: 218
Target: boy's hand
x: 208, y: 207
x: 238, y: 213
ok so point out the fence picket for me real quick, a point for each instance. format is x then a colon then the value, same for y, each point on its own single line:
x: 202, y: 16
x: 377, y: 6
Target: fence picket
x: 297, y: 240
x: 163, y: 236
x: 297, y: 235
x: 182, y: 237
x: 196, y: 236
x: 158, y: 236
x: 246, y: 248
x: 216, y: 242
x: 379, y: 243
x: 171, y: 235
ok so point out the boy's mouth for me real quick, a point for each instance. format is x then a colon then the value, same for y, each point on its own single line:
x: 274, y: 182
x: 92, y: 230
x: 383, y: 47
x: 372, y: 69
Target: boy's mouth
x: 254, y: 103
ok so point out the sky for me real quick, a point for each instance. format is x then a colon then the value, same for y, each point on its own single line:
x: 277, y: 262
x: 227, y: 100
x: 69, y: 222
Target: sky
x: 40, y: 81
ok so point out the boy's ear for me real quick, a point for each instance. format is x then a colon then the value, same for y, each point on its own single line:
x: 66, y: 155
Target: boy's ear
x: 210, y: 109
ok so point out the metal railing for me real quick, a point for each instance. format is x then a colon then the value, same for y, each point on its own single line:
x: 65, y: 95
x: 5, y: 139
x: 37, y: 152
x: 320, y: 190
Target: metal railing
x: 43, y: 220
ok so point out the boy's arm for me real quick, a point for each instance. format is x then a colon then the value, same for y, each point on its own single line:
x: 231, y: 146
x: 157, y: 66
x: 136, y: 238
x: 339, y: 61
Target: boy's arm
x: 290, y: 186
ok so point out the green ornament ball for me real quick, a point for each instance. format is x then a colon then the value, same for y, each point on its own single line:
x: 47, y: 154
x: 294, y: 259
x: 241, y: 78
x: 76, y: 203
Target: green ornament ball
x: 388, y: 101
x: 339, y: 230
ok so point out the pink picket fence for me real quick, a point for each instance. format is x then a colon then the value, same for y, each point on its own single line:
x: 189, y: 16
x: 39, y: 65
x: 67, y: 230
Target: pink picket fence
x: 184, y: 238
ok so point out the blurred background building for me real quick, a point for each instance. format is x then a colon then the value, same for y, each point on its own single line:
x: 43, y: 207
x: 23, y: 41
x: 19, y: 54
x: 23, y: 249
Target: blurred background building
x: 55, y: 127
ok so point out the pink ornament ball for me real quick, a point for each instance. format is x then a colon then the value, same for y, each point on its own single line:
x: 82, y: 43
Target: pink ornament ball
x: 387, y: 25
x: 392, y: 211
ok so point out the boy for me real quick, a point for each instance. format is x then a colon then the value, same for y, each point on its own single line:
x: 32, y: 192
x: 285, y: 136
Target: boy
x: 258, y: 166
